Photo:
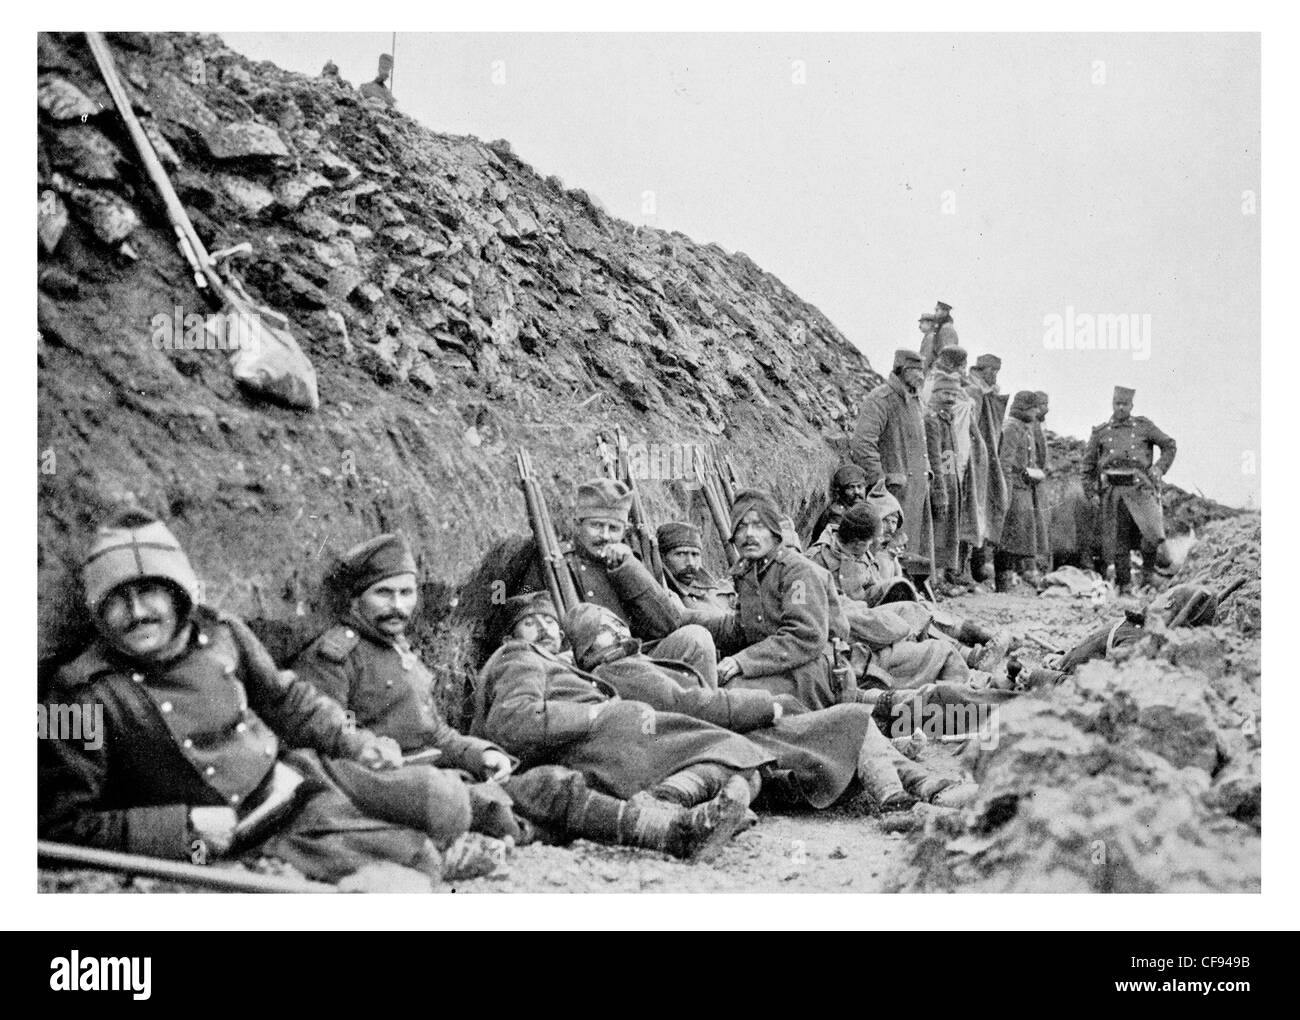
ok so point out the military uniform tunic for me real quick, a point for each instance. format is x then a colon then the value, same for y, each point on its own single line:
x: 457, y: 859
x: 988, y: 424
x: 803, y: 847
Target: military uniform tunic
x: 1122, y: 451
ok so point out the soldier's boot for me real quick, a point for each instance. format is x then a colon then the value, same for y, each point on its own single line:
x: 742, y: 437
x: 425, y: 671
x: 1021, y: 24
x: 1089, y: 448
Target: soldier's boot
x: 879, y: 774
x: 707, y: 828
x: 965, y: 576
x: 1005, y: 581
x: 972, y: 633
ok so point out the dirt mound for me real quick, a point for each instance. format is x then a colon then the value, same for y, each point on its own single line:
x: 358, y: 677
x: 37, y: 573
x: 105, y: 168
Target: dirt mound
x: 1230, y: 551
x: 454, y: 304
x: 1132, y: 777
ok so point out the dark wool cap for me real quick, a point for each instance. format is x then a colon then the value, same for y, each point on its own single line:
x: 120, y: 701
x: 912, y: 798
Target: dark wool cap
x: 372, y: 561
x: 906, y: 359
x: 533, y: 603
x: 756, y: 499
x: 859, y: 523
x: 678, y: 535
x: 846, y: 475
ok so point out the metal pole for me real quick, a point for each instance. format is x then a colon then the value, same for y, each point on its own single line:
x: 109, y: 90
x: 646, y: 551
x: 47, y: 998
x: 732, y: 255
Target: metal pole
x: 392, y: 77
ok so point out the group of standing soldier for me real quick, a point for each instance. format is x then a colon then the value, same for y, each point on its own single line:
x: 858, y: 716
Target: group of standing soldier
x: 969, y: 473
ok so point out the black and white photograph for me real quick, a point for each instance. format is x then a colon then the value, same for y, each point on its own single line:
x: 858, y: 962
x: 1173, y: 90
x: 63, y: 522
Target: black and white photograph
x: 489, y: 463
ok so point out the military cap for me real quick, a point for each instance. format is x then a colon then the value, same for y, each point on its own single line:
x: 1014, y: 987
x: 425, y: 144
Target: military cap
x: 678, y: 535
x: 1023, y: 401
x: 1123, y: 393
x: 943, y: 306
x: 846, y: 475
x: 1040, y: 398
x: 533, y: 603
x: 385, y: 63
x: 904, y: 358
x: 133, y: 546
x: 373, y: 560
x: 952, y: 359
x: 604, y: 497
x: 988, y: 361
x: 859, y: 523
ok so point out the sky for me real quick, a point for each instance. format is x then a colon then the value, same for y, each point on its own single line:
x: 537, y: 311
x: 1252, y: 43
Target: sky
x: 1035, y: 182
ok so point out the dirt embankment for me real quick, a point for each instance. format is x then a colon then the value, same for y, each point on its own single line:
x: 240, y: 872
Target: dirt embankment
x: 454, y: 302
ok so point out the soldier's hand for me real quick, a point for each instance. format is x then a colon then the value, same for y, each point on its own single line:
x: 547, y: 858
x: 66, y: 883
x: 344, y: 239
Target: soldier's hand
x: 215, y: 826
x: 380, y: 753
x: 728, y: 669
x: 615, y: 553
x: 496, y: 765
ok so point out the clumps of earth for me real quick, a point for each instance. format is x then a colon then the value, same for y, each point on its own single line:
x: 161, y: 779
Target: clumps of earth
x: 1138, y: 774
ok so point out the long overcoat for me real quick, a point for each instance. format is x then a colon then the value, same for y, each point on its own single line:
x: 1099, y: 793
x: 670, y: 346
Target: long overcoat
x: 1020, y: 529
x: 889, y: 442
x: 544, y: 710
x: 820, y: 749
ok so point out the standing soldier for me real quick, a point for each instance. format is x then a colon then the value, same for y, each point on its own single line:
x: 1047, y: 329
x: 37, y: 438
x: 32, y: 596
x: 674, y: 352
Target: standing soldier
x: 889, y: 443
x: 1044, y: 462
x: 991, y: 486
x: 1019, y: 456
x: 1117, y: 470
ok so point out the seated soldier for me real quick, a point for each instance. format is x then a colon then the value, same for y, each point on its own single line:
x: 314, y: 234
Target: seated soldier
x: 818, y: 754
x: 365, y: 662
x: 196, y: 716
x: 848, y: 486
x: 897, y: 645
x: 538, y: 706
x: 779, y: 638
x: 606, y: 571
x: 682, y: 549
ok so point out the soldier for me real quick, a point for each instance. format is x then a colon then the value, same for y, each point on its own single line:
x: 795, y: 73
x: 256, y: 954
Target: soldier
x: 991, y: 486
x: 606, y: 571
x: 901, y: 643
x: 682, y: 549
x: 533, y: 701
x: 365, y: 662
x: 196, y: 715
x: 1019, y: 547
x: 889, y: 443
x: 1044, y: 462
x: 816, y: 754
x: 848, y: 486
x: 1117, y: 472
x: 378, y: 89
x: 942, y: 334
x: 952, y: 438
x: 780, y: 635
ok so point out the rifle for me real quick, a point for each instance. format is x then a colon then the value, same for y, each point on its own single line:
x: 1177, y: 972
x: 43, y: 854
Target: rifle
x: 713, y: 498
x: 220, y: 879
x: 640, y: 524
x: 555, y: 571
x: 246, y: 362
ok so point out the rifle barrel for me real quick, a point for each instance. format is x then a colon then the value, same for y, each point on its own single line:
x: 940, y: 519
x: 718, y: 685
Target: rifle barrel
x: 173, y: 871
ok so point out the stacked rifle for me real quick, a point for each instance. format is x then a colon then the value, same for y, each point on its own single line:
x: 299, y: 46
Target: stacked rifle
x: 618, y: 466
x: 718, y: 483
x: 555, y: 572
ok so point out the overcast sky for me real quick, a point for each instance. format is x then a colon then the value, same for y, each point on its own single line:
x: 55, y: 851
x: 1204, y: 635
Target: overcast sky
x: 1016, y: 177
